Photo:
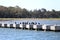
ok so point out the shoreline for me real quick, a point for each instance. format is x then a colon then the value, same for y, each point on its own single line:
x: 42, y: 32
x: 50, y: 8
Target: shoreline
x: 8, y: 19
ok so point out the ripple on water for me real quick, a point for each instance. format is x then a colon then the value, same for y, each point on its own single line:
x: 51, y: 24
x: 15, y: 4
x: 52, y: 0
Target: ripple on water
x: 17, y: 34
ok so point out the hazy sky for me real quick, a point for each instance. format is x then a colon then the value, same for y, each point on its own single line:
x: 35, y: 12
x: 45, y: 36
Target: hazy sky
x: 33, y: 4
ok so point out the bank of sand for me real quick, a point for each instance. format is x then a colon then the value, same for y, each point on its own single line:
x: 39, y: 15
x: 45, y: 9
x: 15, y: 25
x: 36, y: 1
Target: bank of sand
x: 7, y: 19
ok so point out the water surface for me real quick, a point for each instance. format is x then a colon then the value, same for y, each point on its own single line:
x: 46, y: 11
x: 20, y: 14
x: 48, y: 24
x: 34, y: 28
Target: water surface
x: 51, y: 22
x: 18, y: 34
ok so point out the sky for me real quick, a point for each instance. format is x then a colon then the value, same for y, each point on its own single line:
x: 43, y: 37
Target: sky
x: 32, y: 4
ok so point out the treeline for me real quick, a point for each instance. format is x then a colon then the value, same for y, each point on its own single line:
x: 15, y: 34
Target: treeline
x: 17, y: 12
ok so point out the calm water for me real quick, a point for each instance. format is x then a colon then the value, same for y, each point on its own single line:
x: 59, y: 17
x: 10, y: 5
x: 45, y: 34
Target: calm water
x: 17, y: 34
x: 52, y: 22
